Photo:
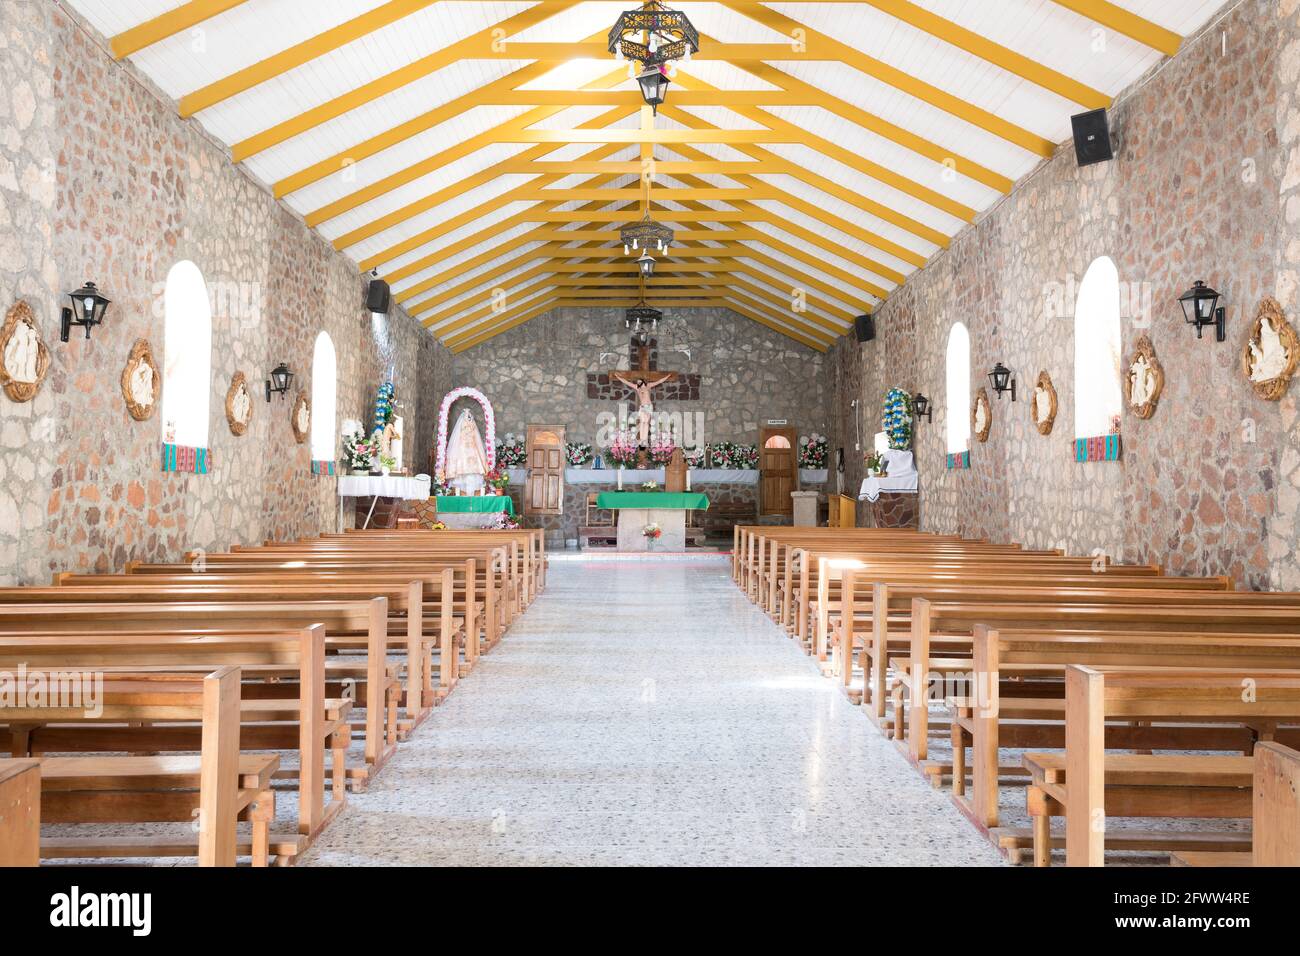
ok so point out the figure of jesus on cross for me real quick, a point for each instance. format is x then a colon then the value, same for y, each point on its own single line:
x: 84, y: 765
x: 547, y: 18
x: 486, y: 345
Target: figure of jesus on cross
x: 644, y: 380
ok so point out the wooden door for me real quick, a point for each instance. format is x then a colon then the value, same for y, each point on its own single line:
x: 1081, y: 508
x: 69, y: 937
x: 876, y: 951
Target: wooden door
x: 545, y: 488
x: 776, y: 470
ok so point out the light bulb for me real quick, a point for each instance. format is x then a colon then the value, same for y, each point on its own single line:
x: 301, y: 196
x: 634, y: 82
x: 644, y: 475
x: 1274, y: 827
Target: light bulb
x: 626, y: 250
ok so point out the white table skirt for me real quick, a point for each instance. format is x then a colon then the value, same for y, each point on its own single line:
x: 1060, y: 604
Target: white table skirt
x: 873, y: 487
x: 403, y: 487
x: 812, y: 476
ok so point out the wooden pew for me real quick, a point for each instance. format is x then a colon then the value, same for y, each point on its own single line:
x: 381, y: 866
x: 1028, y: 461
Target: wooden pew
x: 20, y: 813
x: 217, y: 787
x: 349, y: 625
x: 1086, y: 785
x: 1275, y: 812
x: 309, y: 723
x: 1036, y: 661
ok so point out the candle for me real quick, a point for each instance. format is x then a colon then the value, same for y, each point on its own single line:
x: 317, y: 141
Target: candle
x: 620, y: 477
x: 688, y: 479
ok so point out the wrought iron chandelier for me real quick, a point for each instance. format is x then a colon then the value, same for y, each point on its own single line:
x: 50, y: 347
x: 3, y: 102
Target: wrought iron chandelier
x: 641, y: 320
x: 653, y: 36
x: 646, y: 234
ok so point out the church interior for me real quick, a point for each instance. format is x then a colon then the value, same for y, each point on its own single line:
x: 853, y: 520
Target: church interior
x: 586, y: 433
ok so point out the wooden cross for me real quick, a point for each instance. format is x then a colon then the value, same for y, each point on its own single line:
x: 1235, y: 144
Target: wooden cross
x: 643, y: 372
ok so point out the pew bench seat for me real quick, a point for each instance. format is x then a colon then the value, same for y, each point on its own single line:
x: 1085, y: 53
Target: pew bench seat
x: 1142, y: 785
x: 147, y: 789
x: 1210, y: 858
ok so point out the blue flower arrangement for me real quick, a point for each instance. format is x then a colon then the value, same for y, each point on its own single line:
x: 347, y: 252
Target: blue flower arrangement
x: 384, y: 406
x: 897, y: 419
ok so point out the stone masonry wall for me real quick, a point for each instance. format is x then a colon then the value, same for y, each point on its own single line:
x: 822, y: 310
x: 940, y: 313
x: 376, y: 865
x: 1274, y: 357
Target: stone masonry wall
x: 100, y: 181
x: 1207, y: 153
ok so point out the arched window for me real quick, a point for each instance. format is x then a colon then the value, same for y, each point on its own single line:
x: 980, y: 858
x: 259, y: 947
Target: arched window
x: 187, y: 357
x: 324, y: 392
x: 1097, y: 398
x: 958, y: 395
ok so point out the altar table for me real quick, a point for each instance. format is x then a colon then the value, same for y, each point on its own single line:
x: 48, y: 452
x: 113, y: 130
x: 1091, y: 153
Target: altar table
x: 636, y: 509
x: 394, y: 487
x: 465, y: 511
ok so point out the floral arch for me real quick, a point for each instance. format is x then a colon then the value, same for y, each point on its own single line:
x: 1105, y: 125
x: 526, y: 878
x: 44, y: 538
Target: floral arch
x: 489, y: 425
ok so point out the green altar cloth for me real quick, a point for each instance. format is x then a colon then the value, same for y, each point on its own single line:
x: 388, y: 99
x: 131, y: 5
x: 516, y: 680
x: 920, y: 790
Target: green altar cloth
x: 688, y: 501
x: 475, y: 504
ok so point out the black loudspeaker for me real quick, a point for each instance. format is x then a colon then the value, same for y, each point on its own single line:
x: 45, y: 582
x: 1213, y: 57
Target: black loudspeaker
x: 865, y: 327
x: 1092, y: 138
x: 377, y: 296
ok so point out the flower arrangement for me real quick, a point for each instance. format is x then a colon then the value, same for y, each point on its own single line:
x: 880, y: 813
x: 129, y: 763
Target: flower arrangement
x: 897, y: 418
x: 387, y: 464
x: 662, y: 447
x: 497, y: 480
x: 501, y: 522
x: 649, y: 486
x: 577, y: 453
x: 653, y: 532
x: 623, y: 449
x: 730, y: 455
x: 358, y: 452
x: 695, y: 457
x: 441, y: 487
x: 511, y: 452
x: 876, y: 464
x: 812, y: 451
x: 438, y: 526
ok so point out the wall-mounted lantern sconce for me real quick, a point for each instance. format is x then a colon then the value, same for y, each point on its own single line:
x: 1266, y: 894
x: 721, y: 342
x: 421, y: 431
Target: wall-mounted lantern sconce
x: 1201, y: 308
x: 1003, y: 381
x: 921, y: 406
x: 279, y: 381
x: 88, y: 308
x: 646, y: 264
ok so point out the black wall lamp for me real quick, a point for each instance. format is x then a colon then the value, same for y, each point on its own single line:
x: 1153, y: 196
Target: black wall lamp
x: 1003, y: 381
x: 88, y: 308
x: 279, y: 381
x: 1201, y: 308
x: 921, y: 407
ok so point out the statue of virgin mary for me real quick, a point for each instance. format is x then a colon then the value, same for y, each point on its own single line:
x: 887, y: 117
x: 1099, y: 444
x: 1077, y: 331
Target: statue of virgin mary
x: 466, y: 461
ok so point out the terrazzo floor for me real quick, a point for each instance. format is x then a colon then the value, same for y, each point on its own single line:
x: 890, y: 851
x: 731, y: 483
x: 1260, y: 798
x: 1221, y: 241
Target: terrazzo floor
x: 645, y: 713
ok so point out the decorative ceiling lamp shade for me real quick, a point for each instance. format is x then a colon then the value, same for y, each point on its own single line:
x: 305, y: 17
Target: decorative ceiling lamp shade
x: 646, y: 234
x: 653, y: 36
x: 641, y: 320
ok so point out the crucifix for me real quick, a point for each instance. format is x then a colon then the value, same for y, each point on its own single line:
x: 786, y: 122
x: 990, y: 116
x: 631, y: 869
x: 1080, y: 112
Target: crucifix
x: 643, y: 379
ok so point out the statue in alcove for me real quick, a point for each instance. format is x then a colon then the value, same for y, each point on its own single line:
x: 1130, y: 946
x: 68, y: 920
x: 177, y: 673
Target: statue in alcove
x: 466, y: 456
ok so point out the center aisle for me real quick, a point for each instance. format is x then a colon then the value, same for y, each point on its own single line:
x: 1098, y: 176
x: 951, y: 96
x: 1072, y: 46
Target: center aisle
x: 643, y: 712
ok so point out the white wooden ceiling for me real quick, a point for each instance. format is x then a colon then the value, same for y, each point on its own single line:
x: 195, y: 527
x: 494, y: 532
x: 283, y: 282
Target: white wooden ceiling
x: 883, y: 128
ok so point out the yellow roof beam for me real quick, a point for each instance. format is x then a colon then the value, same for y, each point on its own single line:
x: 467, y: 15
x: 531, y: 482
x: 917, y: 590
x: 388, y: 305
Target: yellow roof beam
x: 1000, y: 56
x: 514, y: 97
x: 516, y: 316
x: 295, y: 56
x: 1124, y: 22
x: 894, y: 77
x: 167, y: 25
x: 869, y: 121
x: 395, y: 80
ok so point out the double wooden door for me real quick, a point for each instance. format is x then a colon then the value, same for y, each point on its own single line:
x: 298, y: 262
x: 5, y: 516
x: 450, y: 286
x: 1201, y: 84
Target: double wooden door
x: 776, y: 462
x: 545, y: 488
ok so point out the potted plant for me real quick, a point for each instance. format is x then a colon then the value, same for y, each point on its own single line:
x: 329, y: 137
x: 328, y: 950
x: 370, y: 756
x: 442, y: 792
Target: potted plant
x: 876, y: 465
x: 497, y: 480
x: 359, y: 453
x: 649, y: 486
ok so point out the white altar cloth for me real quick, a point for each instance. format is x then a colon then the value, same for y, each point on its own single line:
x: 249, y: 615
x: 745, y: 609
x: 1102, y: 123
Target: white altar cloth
x: 404, y: 487
x: 900, y: 477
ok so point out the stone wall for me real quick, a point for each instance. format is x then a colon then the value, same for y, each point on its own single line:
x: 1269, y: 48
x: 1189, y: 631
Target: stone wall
x: 1196, y: 191
x: 100, y: 181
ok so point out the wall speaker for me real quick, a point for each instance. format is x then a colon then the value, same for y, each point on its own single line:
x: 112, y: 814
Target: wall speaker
x: 865, y: 327
x: 1092, y: 137
x: 377, y: 296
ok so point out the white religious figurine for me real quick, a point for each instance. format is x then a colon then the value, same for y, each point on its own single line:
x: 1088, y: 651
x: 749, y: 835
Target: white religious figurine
x: 22, y: 353
x: 466, y: 461
x: 1269, y: 358
x: 395, y: 446
x: 142, y: 392
x: 645, y: 411
x: 981, y: 417
x: 242, y: 406
x: 304, y: 418
x: 1142, y: 380
x: 1042, y: 405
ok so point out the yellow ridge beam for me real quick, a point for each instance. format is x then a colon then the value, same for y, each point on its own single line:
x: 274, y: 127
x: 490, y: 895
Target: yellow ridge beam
x: 1124, y: 22
x: 167, y: 25
x: 395, y: 80
x: 295, y: 56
